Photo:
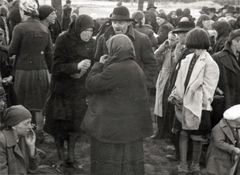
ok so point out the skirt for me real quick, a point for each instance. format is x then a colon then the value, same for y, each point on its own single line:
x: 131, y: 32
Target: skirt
x: 117, y: 159
x: 31, y: 88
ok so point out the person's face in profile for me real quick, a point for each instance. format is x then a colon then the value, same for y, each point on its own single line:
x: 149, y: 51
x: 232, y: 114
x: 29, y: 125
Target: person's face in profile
x: 24, y: 127
x: 86, y: 35
x: 120, y: 27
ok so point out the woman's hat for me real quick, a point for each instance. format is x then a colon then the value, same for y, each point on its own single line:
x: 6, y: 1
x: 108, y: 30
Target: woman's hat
x: 230, y: 9
x: 232, y: 113
x: 29, y: 6
x: 212, y: 9
x: 15, y: 115
x: 184, y: 26
x: 121, y: 13
x: 138, y: 15
x: 151, y: 6
x: 204, y: 10
x: 234, y: 34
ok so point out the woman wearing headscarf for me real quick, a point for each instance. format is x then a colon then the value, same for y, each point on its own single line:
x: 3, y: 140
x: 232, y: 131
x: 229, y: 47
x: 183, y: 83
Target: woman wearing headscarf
x: 31, y: 43
x: 118, y: 116
x: 66, y: 106
x: 18, y: 154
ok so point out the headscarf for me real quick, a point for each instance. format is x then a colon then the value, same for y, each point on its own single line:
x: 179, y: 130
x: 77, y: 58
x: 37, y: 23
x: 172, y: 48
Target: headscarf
x: 80, y: 24
x: 29, y: 6
x: 14, y: 115
x: 222, y: 27
x: 120, y: 48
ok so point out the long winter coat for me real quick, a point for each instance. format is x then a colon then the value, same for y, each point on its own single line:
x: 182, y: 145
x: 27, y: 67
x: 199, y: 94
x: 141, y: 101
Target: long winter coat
x: 220, y: 157
x: 143, y: 49
x: 15, y: 157
x: 199, y: 92
x: 119, y: 110
x: 229, y: 81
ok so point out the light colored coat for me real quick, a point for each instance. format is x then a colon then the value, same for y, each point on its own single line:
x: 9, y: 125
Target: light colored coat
x: 199, y: 92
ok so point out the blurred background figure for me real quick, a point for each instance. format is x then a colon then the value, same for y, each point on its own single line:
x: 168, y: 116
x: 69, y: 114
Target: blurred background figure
x: 67, y: 10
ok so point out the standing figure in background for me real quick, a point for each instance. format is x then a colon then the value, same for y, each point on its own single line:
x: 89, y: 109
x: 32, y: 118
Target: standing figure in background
x: 166, y: 58
x: 4, y: 24
x: 31, y: 43
x: 66, y: 105
x: 67, y: 10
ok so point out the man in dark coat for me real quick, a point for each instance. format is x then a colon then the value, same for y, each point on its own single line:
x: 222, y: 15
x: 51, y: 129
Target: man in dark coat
x: 122, y: 24
x: 229, y: 81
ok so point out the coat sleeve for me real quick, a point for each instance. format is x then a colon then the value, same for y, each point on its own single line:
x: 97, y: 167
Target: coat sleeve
x: 100, y: 80
x: 60, y: 60
x: 219, y: 139
x: 149, y: 63
x: 49, y: 54
x: 16, y: 41
x: 3, y: 156
x: 210, y: 81
x: 33, y: 162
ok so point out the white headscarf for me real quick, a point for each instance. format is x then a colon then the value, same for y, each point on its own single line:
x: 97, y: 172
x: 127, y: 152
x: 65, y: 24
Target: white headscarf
x: 29, y: 6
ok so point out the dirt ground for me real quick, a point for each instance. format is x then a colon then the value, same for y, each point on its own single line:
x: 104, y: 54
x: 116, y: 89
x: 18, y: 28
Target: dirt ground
x: 154, y: 150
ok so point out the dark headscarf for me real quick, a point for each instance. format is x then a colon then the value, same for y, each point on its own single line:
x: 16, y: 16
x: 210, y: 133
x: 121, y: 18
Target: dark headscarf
x: 80, y: 24
x: 222, y: 27
x: 14, y: 115
x: 120, y: 48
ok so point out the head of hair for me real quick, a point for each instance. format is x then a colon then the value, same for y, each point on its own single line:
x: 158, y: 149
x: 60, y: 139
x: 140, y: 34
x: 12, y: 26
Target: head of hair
x: 186, y: 11
x: 197, y: 39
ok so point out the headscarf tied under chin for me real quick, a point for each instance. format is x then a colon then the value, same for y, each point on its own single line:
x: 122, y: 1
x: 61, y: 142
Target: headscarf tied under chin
x: 81, y: 23
x: 120, y: 47
x: 14, y: 115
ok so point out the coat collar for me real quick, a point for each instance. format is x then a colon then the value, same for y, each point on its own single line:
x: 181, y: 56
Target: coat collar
x: 110, y: 32
x: 197, y: 69
x: 227, y: 130
x: 230, y: 64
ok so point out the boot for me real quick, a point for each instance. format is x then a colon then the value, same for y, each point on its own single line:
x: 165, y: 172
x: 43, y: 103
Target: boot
x: 156, y: 134
x: 60, y: 165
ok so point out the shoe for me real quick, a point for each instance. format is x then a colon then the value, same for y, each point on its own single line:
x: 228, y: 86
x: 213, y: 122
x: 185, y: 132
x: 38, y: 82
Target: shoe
x: 171, y: 148
x: 172, y: 157
x: 59, y: 167
x: 74, y: 165
x: 183, y: 169
x: 195, y: 169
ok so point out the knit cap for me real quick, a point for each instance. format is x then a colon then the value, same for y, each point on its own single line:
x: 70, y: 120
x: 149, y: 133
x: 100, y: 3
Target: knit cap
x: 45, y: 11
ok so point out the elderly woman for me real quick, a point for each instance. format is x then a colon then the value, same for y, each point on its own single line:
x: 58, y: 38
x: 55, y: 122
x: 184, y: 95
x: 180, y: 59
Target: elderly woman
x: 66, y: 105
x: 31, y: 43
x: 192, y: 96
x: 118, y: 116
x: 18, y: 153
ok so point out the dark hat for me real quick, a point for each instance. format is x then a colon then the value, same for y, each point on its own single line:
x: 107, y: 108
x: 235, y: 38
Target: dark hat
x: 179, y: 12
x: 15, y: 115
x: 151, y: 6
x: 184, y: 26
x: 121, y: 13
x: 162, y: 15
x: 45, y: 11
x: 204, y: 10
x: 212, y: 9
x: 68, y: 1
x: 234, y: 34
x: 230, y: 9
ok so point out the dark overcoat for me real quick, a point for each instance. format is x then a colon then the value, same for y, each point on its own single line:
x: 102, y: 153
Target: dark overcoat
x: 119, y: 110
x: 229, y: 81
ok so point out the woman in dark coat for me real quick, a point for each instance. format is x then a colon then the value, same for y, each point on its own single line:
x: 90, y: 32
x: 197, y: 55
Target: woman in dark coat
x: 118, y: 116
x: 66, y: 107
x: 31, y: 43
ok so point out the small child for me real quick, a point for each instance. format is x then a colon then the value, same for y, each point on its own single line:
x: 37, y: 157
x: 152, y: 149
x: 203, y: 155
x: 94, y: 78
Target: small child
x: 224, y: 145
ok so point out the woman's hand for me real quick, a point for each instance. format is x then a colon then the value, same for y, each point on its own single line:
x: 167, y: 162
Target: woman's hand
x: 7, y: 80
x: 103, y: 59
x: 31, y: 138
x: 177, y: 103
x: 84, y: 64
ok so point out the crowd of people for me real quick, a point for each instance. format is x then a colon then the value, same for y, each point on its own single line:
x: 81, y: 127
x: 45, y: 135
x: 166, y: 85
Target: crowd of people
x: 96, y: 76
